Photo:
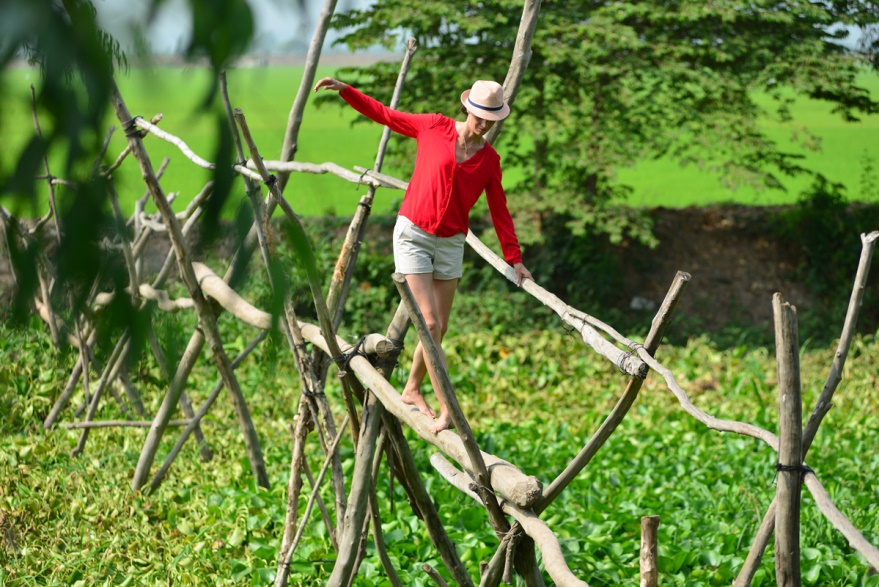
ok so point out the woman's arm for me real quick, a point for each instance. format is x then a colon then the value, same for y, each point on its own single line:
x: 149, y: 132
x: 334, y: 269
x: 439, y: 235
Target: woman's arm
x: 400, y: 122
x: 503, y: 226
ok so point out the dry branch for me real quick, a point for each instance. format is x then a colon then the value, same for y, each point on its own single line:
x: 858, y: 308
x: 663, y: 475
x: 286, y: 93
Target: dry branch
x: 127, y: 150
x: 284, y: 565
x: 202, y: 412
x: 386, y: 180
x: 441, y: 376
x: 553, y: 559
x: 120, y: 424
x: 187, y: 152
x: 358, y: 500
x: 206, y: 317
x: 520, y: 60
x: 627, y: 362
x: 420, y: 500
x: 344, y: 269
x: 658, y: 327
x: 323, y: 168
x: 854, y: 536
x: 312, y: 57
x: 437, y: 578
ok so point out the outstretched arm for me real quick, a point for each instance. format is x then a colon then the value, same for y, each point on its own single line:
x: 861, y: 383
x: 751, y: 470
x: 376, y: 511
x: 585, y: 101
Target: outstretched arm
x: 400, y: 122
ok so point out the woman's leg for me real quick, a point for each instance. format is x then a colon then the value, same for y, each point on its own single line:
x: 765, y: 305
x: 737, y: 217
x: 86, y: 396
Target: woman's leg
x: 434, y: 298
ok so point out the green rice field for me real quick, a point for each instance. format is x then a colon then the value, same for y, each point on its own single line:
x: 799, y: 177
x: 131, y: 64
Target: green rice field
x: 266, y: 94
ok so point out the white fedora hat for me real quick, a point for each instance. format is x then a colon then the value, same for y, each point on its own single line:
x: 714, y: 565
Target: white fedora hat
x: 486, y: 100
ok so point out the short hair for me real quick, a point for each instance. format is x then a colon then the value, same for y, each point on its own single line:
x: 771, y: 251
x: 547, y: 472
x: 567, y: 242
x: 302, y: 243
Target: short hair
x: 464, y: 110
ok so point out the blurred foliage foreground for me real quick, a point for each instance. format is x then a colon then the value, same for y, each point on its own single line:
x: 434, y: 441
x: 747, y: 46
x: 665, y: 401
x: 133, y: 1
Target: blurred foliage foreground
x: 533, y: 398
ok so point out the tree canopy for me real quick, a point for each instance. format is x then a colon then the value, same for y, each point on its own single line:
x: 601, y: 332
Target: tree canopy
x: 612, y: 83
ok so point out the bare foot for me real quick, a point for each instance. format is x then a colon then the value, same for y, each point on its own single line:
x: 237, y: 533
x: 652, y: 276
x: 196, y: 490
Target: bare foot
x: 443, y: 423
x: 414, y: 398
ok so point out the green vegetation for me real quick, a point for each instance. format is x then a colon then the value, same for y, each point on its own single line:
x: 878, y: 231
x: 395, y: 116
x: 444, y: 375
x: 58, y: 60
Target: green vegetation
x: 532, y: 398
x: 264, y: 94
x: 532, y: 391
x: 848, y: 150
x: 844, y: 152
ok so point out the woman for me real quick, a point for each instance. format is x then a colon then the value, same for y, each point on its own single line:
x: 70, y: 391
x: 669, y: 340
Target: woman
x: 454, y: 165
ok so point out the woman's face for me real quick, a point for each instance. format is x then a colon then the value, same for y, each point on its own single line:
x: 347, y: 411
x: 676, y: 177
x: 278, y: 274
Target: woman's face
x: 478, y: 126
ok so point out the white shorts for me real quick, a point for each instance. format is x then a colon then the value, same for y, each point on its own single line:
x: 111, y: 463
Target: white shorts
x: 418, y: 251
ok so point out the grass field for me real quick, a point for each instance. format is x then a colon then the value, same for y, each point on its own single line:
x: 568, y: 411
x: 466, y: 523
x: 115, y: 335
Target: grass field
x: 266, y: 94
x: 532, y: 399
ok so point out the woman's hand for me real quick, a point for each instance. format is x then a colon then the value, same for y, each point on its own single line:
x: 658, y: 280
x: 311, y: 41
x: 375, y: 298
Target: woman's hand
x: 330, y: 84
x: 521, y: 274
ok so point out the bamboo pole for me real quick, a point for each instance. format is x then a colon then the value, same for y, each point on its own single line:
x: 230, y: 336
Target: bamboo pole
x: 312, y: 58
x: 284, y: 564
x: 520, y: 60
x: 823, y: 405
x: 206, y: 317
x: 790, y: 450
x: 432, y: 356
x: 359, y: 496
x: 649, y: 551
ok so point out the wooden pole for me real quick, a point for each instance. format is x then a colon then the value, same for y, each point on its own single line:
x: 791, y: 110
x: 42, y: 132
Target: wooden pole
x: 822, y: 406
x: 431, y: 572
x: 520, y: 60
x: 350, y: 385
x: 790, y: 451
x: 422, y: 504
x: 294, y: 121
x: 355, y: 516
x: 431, y: 353
x: 649, y: 551
x: 546, y: 541
x: 284, y: 564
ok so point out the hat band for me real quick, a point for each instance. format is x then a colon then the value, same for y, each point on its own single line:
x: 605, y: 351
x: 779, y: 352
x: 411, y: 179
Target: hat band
x: 481, y: 107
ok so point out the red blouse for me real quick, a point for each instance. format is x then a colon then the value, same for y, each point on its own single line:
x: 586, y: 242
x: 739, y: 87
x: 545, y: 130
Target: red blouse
x: 442, y: 191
